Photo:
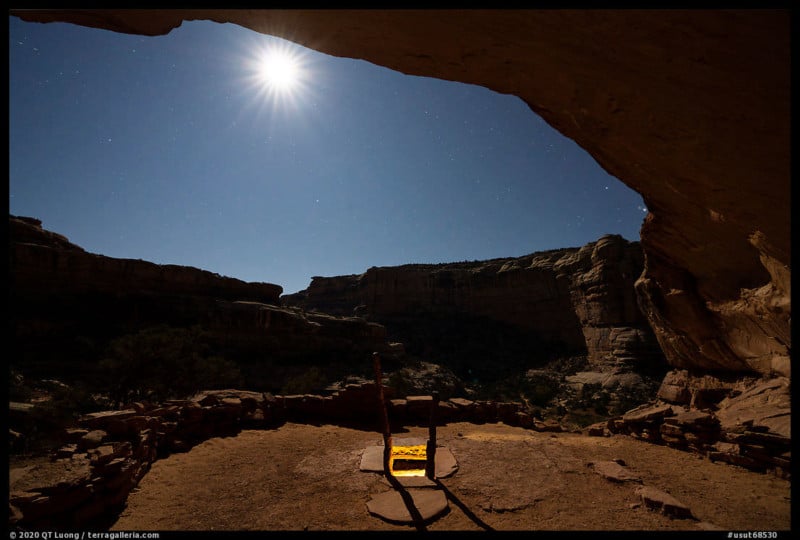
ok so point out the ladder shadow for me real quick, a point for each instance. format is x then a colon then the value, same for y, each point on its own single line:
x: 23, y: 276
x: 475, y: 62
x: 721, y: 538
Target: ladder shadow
x: 416, y: 517
x: 463, y: 507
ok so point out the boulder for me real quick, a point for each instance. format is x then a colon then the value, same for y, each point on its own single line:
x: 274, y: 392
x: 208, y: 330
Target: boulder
x: 596, y: 430
x: 647, y: 413
x: 548, y: 425
x: 92, y: 439
x: 613, y: 471
x: 674, y: 394
x: 764, y: 404
x: 657, y: 499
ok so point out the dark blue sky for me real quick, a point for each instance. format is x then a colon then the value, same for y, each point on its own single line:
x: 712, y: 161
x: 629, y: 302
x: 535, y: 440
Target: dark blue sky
x: 170, y: 150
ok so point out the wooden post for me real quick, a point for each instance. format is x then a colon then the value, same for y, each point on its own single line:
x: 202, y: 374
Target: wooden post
x: 387, y: 435
x: 430, y: 451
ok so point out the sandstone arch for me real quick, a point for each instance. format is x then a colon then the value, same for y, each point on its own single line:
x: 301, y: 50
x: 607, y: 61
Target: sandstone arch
x: 690, y: 108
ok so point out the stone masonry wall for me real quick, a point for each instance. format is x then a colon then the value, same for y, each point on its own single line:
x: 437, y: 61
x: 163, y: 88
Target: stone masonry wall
x: 107, y: 456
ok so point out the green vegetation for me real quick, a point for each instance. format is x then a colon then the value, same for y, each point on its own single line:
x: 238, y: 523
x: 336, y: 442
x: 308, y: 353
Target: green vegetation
x: 56, y: 405
x: 309, y: 381
x: 478, y: 350
x: 400, y: 384
x: 580, y: 418
x: 533, y: 391
x: 418, y: 378
x: 163, y: 362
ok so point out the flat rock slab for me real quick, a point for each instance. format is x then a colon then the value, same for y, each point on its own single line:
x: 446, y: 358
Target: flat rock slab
x: 48, y: 476
x: 645, y: 414
x: 105, y: 415
x: 690, y: 418
x: 586, y: 377
x: 14, y: 406
x: 659, y: 500
x: 461, y: 402
x: 706, y: 526
x: 391, y: 506
x: 445, y: 462
x: 611, y: 470
x: 411, y: 481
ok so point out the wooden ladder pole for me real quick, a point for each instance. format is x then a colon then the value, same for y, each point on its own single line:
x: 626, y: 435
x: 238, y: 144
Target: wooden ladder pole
x: 387, y: 434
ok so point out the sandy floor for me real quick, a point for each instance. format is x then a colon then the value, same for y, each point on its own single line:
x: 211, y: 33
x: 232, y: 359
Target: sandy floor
x: 307, y: 477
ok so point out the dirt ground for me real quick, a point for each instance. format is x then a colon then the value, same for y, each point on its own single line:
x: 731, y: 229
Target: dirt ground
x: 307, y: 477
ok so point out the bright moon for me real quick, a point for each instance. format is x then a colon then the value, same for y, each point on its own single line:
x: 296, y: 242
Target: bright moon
x: 279, y: 70
x: 278, y: 73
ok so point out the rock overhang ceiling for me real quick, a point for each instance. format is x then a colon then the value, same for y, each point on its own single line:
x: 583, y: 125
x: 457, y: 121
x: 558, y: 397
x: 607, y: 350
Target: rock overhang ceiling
x: 690, y: 108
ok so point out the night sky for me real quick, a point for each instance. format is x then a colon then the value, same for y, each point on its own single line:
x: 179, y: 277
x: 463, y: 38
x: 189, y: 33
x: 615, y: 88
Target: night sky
x: 179, y: 150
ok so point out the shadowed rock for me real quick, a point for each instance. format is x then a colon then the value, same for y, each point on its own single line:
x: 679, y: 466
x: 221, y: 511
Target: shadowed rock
x: 581, y: 299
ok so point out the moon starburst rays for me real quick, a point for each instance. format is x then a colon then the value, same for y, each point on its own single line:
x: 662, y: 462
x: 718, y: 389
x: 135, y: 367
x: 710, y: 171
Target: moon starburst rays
x: 278, y: 73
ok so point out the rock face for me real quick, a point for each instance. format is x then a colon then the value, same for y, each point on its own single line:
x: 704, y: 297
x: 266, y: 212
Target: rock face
x: 690, y: 108
x: 742, y: 421
x: 580, y: 298
x: 47, y: 262
x: 66, y: 304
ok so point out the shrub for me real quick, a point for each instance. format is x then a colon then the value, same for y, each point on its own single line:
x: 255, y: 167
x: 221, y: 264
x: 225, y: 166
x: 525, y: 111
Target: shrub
x: 163, y: 362
x: 540, y: 393
x: 213, y: 373
x: 400, y: 384
x: 310, y: 381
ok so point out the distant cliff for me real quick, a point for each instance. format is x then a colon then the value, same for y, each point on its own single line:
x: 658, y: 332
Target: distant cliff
x: 68, y: 306
x: 566, y: 301
x: 43, y: 261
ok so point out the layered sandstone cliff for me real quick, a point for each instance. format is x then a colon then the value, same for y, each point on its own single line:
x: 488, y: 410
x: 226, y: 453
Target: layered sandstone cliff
x: 67, y: 305
x: 580, y: 298
x: 45, y: 262
x: 690, y: 108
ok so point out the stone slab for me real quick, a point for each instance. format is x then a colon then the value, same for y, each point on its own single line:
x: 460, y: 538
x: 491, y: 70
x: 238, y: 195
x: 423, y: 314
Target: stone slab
x: 391, y: 507
x: 611, y: 470
x: 411, y: 481
x: 445, y: 463
x: 14, y: 406
x: 660, y: 500
x: 647, y: 413
x: 690, y: 418
x: 462, y: 403
x: 586, y: 377
x: 372, y: 459
x: 105, y: 415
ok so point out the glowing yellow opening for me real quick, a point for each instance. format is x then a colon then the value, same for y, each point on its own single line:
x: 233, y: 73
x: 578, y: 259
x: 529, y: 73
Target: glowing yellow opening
x: 408, y: 460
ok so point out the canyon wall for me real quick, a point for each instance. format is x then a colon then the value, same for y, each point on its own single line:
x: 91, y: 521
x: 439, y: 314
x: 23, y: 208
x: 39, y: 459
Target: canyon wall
x: 47, y: 262
x: 581, y: 298
x: 690, y: 108
x: 66, y: 305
